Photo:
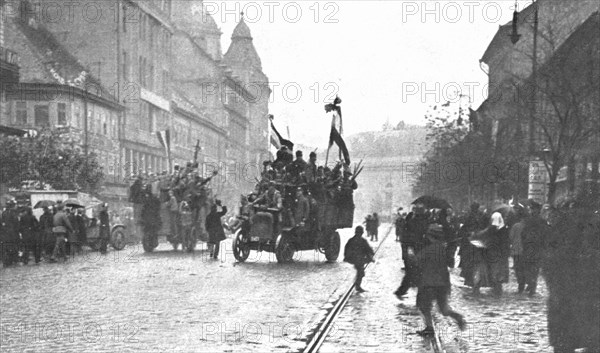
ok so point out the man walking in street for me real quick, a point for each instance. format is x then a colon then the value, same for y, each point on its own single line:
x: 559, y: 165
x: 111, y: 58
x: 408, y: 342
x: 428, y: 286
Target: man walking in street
x: 434, y: 282
x: 416, y: 225
x: 532, y: 238
x: 61, y: 227
x: 358, y: 252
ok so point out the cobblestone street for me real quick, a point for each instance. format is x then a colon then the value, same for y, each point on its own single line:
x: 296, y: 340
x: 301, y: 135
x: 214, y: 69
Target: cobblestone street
x: 166, y: 302
x: 170, y: 301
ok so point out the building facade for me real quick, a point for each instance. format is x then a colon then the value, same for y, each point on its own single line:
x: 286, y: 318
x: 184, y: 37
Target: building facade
x: 517, y: 97
x: 152, y: 65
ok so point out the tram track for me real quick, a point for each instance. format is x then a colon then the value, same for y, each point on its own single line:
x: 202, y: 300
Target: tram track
x: 320, y: 334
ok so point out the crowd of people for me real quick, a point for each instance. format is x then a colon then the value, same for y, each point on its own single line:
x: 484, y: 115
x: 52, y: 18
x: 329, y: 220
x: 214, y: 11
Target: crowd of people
x: 485, y: 241
x: 293, y: 188
x: 430, y: 238
x: 60, y: 232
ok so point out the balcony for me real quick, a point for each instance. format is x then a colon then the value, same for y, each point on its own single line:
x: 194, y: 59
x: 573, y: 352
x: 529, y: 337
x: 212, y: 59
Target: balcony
x: 9, y: 65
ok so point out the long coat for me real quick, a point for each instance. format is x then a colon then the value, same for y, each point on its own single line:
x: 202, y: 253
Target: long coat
x: 214, y: 227
x: 28, y: 227
x: 151, y: 213
x: 358, y: 251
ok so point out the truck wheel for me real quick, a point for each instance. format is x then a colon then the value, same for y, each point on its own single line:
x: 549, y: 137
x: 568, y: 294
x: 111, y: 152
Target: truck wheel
x: 332, y: 251
x: 284, y: 249
x: 117, y: 239
x: 241, y: 250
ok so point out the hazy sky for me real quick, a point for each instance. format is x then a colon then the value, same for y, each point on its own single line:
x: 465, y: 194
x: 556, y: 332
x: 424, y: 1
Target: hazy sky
x: 386, y: 59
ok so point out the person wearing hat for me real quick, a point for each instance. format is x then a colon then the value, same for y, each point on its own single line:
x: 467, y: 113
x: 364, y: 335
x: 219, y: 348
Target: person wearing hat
x: 311, y: 168
x: 28, y: 227
x: 272, y: 199
x: 9, y: 235
x: 214, y: 227
x: 358, y: 252
x: 60, y: 228
x: 434, y: 281
x: 299, y: 165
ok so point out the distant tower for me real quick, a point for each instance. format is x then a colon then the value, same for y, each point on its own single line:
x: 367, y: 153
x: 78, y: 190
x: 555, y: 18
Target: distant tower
x: 242, y: 57
x: 190, y: 16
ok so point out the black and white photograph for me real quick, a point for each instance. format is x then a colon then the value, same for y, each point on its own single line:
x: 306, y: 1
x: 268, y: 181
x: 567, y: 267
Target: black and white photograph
x: 315, y: 176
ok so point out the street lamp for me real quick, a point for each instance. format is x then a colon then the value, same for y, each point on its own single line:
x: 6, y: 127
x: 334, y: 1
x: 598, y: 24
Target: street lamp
x: 514, y: 37
x: 535, y: 177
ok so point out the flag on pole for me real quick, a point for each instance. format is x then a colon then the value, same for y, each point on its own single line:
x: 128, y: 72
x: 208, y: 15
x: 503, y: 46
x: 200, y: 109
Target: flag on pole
x: 336, y: 109
x: 280, y: 139
x: 335, y: 137
x: 164, y: 137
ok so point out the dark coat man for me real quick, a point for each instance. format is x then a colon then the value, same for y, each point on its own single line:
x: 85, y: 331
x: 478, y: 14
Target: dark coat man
x: 10, y: 233
x: 534, y: 230
x: 28, y: 227
x: 468, y: 253
x: 214, y: 227
x: 104, y: 228
x: 150, y: 219
x: 358, y: 252
x: 48, y: 240
x: 416, y: 226
x: 434, y: 279
x: 136, y: 191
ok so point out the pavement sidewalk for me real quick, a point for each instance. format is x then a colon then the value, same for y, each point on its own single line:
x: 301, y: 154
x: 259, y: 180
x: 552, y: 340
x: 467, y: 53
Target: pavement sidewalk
x: 376, y: 321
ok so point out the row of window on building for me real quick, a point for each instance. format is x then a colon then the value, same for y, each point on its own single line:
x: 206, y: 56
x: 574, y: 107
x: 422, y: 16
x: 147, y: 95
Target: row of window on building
x: 159, y: 43
x: 100, y: 121
x: 140, y: 162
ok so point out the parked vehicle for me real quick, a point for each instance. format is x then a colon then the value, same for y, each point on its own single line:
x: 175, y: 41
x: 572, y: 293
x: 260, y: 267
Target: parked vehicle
x: 118, y: 238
